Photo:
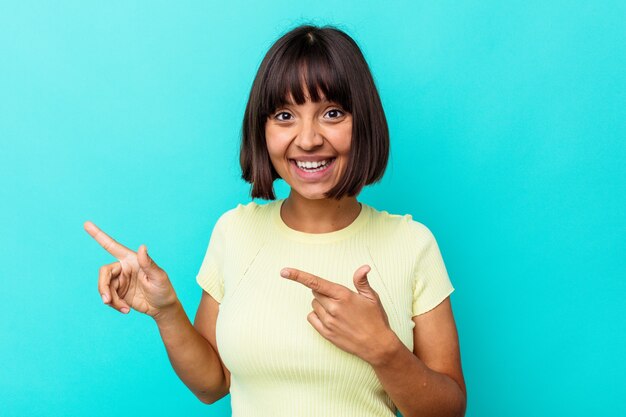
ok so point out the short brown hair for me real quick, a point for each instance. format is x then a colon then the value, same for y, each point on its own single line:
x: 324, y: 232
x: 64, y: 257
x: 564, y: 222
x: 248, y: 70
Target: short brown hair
x: 323, y: 60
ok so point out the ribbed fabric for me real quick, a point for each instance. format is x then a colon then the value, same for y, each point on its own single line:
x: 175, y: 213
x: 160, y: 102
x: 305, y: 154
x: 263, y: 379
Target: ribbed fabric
x: 280, y: 365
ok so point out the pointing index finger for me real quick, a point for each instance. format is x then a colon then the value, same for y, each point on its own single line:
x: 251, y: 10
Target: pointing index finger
x: 107, y: 242
x: 313, y: 282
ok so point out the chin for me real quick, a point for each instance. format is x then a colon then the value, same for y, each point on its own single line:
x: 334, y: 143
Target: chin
x: 311, y: 195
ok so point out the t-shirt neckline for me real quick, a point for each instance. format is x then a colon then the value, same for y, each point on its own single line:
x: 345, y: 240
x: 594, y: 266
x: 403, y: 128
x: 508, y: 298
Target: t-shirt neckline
x: 340, y: 234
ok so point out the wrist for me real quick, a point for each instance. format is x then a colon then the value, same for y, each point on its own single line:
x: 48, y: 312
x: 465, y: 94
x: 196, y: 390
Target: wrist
x: 390, y: 346
x: 168, y: 314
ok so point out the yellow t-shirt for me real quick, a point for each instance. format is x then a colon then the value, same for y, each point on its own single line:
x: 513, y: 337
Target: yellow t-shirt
x: 280, y: 365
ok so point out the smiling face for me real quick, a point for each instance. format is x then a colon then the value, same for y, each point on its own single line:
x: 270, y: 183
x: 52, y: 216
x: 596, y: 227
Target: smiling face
x: 308, y: 145
x: 286, y: 118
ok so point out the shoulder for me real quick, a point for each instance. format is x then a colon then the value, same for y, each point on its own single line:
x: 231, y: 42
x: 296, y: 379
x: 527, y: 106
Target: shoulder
x: 401, y: 227
x: 252, y: 210
x: 246, y: 215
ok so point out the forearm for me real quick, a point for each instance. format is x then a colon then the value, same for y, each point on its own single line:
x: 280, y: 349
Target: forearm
x: 194, y: 360
x: 414, y: 388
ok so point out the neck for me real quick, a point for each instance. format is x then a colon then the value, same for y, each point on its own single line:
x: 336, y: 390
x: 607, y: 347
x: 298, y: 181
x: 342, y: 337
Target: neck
x: 319, y: 216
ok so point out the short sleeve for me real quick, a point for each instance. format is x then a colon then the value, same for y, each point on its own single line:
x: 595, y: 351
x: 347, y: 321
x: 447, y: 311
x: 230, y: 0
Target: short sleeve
x: 210, y: 276
x: 432, y: 283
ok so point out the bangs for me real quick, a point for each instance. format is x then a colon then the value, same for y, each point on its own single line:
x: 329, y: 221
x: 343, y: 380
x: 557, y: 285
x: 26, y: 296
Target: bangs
x: 305, y: 68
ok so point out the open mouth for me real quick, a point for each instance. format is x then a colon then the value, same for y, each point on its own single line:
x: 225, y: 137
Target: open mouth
x: 311, y: 167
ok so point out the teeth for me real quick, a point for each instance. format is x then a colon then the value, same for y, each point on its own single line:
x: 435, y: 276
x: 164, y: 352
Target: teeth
x: 311, y: 165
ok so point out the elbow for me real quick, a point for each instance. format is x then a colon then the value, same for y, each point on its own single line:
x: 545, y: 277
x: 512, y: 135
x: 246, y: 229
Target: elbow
x: 209, y: 397
x: 211, y: 391
x: 454, y: 406
x: 205, y: 399
x: 208, y: 400
x: 459, y: 406
x: 458, y: 401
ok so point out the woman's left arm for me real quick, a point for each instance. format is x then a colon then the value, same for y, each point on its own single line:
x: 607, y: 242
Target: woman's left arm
x: 427, y: 382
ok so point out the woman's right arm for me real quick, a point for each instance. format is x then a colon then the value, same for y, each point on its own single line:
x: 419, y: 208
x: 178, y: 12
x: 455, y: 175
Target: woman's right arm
x: 136, y: 281
x: 192, y: 349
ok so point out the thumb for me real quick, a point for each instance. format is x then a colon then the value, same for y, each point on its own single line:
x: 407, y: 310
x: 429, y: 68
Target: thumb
x: 361, y: 283
x: 146, y: 263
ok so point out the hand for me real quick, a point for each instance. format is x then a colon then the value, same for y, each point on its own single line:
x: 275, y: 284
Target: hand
x: 353, y: 321
x: 134, y: 281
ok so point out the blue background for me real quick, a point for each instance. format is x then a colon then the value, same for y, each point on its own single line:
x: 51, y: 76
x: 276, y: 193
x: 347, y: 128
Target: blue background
x: 508, y: 141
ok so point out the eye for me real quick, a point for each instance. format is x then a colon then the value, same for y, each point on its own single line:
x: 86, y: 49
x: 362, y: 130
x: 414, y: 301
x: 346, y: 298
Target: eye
x: 283, y: 116
x: 334, y: 114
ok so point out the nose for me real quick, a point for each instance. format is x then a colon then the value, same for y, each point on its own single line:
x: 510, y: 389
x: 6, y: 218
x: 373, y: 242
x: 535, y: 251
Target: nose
x: 308, y: 138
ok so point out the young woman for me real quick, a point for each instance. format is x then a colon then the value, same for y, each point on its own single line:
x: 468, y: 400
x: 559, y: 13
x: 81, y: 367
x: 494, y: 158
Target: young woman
x: 315, y: 305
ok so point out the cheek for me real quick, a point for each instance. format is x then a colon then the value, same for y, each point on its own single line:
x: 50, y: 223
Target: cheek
x: 271, y: 147
x: 273, y: 143
x: 342, y: 140
x: 276, y: 149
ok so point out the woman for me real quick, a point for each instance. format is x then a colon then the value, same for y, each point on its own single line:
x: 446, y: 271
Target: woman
x: 326, y: 305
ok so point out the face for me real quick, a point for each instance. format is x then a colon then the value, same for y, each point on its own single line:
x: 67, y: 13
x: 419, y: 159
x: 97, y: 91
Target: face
x: 308, y: 145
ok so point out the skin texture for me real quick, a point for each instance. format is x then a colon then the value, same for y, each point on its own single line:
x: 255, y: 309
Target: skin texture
x: 312, y: 129
x: 426, y: 382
